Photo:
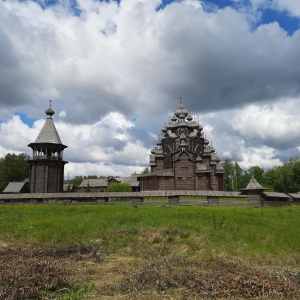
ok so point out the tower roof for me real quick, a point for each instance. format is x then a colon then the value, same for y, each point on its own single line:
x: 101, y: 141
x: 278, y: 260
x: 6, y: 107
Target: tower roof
x: 48, y: 134
x: 253, y: 185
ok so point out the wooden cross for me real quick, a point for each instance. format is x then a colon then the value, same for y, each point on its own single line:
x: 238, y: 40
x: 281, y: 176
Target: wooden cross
x: 50, y: 102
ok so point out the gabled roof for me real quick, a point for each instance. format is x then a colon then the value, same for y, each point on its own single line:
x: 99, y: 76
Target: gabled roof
x: 295, y: 195
x: 102, y: 182
x: 276, y: 195
x: 14, y: 187
x: 132, y: 180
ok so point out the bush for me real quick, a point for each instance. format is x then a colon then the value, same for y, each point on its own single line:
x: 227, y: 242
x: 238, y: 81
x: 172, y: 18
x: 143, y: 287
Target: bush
x: 119, y: 187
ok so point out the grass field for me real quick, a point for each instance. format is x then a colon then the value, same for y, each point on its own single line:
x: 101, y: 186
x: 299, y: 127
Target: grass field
x: 257, y: 237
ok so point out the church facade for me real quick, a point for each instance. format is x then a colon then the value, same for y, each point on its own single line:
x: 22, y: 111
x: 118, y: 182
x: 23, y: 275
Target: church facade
x: 182, y: 158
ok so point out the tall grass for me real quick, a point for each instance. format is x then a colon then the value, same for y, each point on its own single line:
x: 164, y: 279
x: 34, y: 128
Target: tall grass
x: 242, y: 231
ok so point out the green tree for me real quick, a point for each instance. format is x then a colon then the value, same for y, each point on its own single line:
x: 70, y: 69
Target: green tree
x: 13, y: 168
x: 145, y: 171
x: 90, y: 177
x: 76, y: 181
x: 288, y: 176
x: 285, y: 178
x: 233, y: 177
x: 229, y: 175
x: 88, y: 188
x: 296, y: 176
x: 258, y: 173
x: 119, y: 187
x: 239, y: 177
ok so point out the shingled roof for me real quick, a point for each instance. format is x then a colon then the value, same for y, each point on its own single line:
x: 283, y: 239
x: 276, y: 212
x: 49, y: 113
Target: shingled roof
x: 16, y: 187
x: 48, y: 134
x: 253, y: 185
x: 100, y: 182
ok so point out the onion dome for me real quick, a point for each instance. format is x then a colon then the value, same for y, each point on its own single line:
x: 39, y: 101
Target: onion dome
x: 164, y: 129
x: 153, y: 151
x: 182, y: 116
x: 207, y: 151
x: 171, y: 125
x: 174, y: 118
x: 213, y: 159
x: 181, y: 112
x: 189, y: 118
x: 158, y: 143
x: 206, y: 142
x: 194, y: 124
x: 212, y: 149
x: 49, y: 112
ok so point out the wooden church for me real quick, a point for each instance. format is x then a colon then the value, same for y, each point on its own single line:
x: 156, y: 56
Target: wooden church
x: 47, y: 164
x: 182, y: 158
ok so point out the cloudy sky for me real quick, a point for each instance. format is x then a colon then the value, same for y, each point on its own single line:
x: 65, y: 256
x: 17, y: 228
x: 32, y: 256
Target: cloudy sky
x: 115, y: 71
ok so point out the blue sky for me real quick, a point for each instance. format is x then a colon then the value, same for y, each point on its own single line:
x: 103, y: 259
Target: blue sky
x: 116, y: 71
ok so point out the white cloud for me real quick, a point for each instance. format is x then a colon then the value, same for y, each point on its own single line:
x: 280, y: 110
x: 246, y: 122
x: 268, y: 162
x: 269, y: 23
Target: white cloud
x: 93, y: 148
x: 263, y: 157
x: 291, y: 6
x: 277, y: 125
x: 62, y: 114
x: 113, y: 63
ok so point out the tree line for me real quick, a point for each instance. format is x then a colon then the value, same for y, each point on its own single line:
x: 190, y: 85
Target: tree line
x: 284, y: 178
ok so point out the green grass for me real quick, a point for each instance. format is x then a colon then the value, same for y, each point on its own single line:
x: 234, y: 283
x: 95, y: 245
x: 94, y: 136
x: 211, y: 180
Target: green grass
x: 233, y: 199
x: 196, y: 198
x: 242, y: 231
x: 156, y: 199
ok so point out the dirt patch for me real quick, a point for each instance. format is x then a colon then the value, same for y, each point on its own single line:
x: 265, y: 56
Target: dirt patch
x: 46, y: 272
x: 43, y: 271
x: 178, y: 277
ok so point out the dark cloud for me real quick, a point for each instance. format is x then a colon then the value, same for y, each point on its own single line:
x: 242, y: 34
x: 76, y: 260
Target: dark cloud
x: 225, y: 70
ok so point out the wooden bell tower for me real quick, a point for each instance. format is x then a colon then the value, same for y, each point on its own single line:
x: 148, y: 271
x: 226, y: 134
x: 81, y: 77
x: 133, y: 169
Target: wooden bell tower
x: 46, y: 163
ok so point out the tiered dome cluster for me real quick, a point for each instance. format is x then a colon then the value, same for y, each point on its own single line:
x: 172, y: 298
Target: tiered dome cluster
x: 183, y: 133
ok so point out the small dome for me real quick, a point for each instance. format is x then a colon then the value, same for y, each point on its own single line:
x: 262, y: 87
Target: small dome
x: 174, y: 118
x: 49, y: 112
x: 189, y: 118
x: 195, y: 125
x: 171, y: 125
x: 181, y: 111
